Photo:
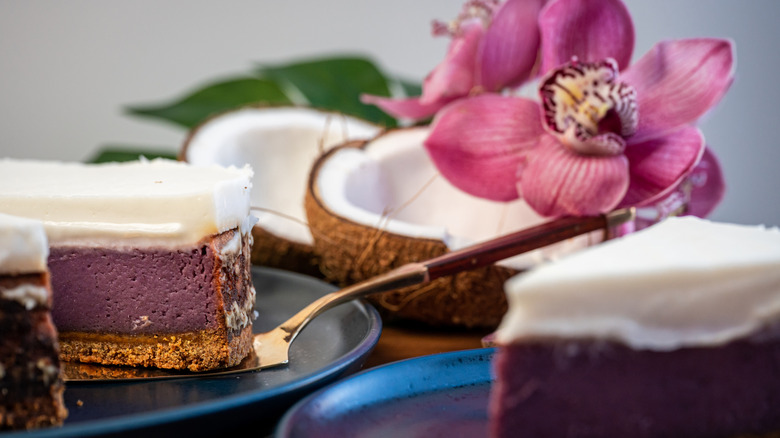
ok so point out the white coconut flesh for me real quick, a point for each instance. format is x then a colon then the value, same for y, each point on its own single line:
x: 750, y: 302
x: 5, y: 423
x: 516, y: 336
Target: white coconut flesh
x: 391, y: 184
x: 281, y: 144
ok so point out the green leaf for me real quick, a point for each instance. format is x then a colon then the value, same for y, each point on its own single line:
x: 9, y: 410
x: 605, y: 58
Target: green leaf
x: 112, y: 153
x: 214, y: 98
x: 335, y: 84
x: 411, y: 88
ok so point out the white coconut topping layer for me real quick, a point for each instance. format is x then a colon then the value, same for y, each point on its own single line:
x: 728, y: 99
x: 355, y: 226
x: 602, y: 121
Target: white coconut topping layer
x: 281, y: 144
x: 683, y: 282
x: 23, y: 246
x: 27, y: 295
x: 144, y: 202
x: 392, y: 184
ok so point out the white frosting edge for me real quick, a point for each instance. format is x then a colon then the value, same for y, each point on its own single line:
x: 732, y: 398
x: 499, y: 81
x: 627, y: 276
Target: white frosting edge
x: 23, y: 245
x: 27, y: 295
x: 700, y: 283
x: 138, y: 202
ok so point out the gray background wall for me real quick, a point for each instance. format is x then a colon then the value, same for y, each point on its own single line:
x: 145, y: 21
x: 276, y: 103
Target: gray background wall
x: 67, y: 68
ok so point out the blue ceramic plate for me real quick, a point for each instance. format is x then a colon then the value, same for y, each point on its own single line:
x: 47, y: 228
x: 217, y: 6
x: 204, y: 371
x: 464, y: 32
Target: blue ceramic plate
x: 335, y: 344
x: 442, y: 395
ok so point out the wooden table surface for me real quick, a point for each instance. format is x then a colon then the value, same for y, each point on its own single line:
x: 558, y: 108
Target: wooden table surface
x: 398, y: 342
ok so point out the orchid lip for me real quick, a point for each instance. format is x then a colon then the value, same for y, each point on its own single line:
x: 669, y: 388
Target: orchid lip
x: 587, y: 108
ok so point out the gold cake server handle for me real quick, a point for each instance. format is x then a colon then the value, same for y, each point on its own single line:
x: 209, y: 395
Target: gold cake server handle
x: 272, y: 348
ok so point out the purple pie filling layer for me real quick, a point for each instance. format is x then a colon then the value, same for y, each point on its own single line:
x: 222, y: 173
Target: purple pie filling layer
x: 133, y: 291
x: 590, y: 389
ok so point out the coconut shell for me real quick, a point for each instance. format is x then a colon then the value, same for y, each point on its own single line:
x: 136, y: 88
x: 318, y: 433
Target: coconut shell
x: 350, y: 252
x: 272, y: 251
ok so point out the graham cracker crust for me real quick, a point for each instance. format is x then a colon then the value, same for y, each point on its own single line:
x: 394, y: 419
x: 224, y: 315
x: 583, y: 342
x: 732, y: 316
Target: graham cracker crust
x: 197, y: 351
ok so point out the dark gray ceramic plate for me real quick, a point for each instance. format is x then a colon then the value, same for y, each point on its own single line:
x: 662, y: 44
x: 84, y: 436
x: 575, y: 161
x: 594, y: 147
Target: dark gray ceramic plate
x: 335, y: 344
x: 441, y: 395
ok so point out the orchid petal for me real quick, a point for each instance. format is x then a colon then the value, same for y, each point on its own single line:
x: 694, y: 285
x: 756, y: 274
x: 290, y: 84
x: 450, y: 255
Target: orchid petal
x: 678, y: 81
x: 510, y: 47
x: 659, y: 165
x: 590, y: 30
x: 707, y: 185
x: 410, y: 108
x: 454, y: 76
x: 558, y: 182
x: 478, y: 143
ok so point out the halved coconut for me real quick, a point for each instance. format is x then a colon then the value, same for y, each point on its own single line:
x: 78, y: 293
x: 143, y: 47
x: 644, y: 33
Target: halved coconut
x: 375, y: 205
x: 280, y: 143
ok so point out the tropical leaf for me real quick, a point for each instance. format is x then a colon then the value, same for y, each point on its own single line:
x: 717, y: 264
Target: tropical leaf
x: 410, y: 88
x: 214, y: 98
x: 335, y: 84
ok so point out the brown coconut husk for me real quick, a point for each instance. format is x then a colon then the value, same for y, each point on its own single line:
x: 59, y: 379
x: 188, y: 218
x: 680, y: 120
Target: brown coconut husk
x: 350, y: 252
x: 273, y: 251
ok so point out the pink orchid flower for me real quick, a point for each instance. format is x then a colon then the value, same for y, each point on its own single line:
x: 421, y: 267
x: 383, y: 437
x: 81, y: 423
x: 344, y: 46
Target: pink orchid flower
x: 605, y: 134
x: 493, y: 45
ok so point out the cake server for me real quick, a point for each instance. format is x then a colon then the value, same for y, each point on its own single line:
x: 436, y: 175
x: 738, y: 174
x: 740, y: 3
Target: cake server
x: 271, y: 348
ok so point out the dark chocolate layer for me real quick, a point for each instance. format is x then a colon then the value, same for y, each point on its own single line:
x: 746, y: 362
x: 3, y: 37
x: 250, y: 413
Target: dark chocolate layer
x: 28, y: 350
x: 235, y: 281
x: 30, y: 384
x: 605, y: 389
